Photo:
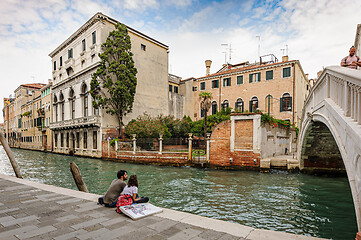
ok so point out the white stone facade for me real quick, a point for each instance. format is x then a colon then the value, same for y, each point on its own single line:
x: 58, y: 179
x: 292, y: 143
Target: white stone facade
x: 79, y: 128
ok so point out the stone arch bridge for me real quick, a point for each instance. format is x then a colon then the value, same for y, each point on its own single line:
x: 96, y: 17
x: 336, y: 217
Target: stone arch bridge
x: 330, y: 135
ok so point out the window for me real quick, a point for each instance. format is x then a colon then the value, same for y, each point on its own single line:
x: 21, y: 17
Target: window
x: 95, y: 140
x: 85, y: 140
x: 62, y: 106
x: 225, y: 105
x: 85, y: 100
x: 286, y: 72
x: 214, y: 107
x: 202, y: 86
x: 142, y: 47
x: 175, y: 89
x: 70, y: 53
x: 54, y: 65
x: 72, y: 104
x: 56, y: 140
x: 194, y: 89
x: 269, y: 75
x: 202, y: 112
x: 170, y: 88
x: 226, y: 82
x: 239, y: 80
x: 253, y: 104
x: 61, y: 61
x: 62, y: 140
x: 269, y: 104
x: 94, y: 38
x: 77, y: 140
x: 255, y: 77
x: 67, y: 139
x: 83, y: 45
x: 215, y: 84
x: 239, y: 105
x: 286, y: 103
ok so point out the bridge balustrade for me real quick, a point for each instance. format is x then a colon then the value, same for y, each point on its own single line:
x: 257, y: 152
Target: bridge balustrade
x: 343, y: 86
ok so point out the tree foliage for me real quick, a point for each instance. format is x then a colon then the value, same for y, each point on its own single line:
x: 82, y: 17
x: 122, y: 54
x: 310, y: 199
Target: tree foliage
x: 114, y: 83
x: 206, y: 103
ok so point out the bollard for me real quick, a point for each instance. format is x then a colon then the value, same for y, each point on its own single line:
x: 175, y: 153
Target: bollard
x: 190, y: 146
x: 134, y: 143
x: 160, y: 143
x: 77, y: 177
x: 10, y: 155
x: 208, y: 146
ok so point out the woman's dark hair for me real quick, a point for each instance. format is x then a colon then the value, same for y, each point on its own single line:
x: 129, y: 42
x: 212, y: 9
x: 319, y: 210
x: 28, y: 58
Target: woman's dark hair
x: 133, y: 181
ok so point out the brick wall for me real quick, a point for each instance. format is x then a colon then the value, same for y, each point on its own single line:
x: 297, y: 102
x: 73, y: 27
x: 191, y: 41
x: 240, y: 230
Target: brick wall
x: 220, y: 153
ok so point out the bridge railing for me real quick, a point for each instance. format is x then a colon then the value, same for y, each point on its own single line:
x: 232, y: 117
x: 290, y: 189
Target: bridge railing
x: 343, y: 86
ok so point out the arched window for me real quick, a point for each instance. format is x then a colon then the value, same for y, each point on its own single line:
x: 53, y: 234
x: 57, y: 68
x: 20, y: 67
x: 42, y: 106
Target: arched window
x: 56, y: 108
x: 253, y: 104
x: 225, y: 105
x: 61, y: 98
x: 214, y: 107
x: 72, y: 103
x: 239, y: 105
x: 85, y: 100
x: 286, y: 103
x: 269, y: 104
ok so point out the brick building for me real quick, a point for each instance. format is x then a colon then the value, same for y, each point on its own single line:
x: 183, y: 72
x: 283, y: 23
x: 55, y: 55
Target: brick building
x: 278, y: 88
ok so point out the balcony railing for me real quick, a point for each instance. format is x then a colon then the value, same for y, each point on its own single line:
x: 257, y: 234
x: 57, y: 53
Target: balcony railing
x: 76, y: 123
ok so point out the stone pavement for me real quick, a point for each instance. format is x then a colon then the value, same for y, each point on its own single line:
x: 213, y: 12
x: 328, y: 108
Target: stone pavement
x: 30, y: 210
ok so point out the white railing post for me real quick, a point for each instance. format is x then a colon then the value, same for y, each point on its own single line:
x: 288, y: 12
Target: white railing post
x: 208, y: 146
x: 352, y: 102
x: 359, y: 107
x: 346, y: 97
x: 190, y: 146
x: 160, y: 143
x: 134, y: 143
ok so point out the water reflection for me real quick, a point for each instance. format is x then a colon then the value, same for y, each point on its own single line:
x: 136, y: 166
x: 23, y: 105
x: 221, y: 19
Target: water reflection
x: 278, y: 201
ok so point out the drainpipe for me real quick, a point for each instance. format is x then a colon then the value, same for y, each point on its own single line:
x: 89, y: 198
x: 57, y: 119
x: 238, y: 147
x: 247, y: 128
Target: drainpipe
x: 293, y: 94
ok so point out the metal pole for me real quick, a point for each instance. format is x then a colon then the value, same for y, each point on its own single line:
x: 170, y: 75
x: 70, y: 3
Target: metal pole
x: 10, y: 155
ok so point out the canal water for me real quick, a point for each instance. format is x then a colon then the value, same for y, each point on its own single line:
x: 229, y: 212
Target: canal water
x: 293, y: 203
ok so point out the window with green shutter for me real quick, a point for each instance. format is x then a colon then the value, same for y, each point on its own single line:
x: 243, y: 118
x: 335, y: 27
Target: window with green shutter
x: 269, y: 75
x: 286, y: 72
x: 239, y: 80
x: 202, y: 86
x: 255, y: 77
x: 215, y: 84
x: 226, y: 82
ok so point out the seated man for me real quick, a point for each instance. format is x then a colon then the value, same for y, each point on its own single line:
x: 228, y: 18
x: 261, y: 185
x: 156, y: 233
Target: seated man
x: 115, y: 189
x: 351, y: 61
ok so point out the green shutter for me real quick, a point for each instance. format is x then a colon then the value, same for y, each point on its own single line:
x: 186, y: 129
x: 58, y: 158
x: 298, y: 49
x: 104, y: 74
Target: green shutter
x: 259, y: 77
x: 250, y: 77
x: 250, y: 106
x: 291, y: 103
x: 281, y: 100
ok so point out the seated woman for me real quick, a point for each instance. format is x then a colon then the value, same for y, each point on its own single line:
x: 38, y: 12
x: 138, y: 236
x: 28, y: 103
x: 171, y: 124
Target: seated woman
x: 132, y: 190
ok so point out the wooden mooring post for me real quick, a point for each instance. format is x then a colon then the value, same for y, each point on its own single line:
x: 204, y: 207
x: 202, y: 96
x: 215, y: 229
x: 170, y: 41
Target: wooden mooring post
x: 10, y: 155
x: 77, y: 177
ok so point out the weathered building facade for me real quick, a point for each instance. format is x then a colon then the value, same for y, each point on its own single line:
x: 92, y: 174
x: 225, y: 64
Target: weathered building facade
x: 80, y: 129
x: 277, y: 88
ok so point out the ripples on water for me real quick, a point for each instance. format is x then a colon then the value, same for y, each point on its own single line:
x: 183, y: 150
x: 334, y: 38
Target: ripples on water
x: 279, y: 201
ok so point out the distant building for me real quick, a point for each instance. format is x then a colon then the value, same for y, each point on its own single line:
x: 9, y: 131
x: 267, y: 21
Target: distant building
x: 277, y: 88
x: 175, y: 99
x: 46, y: 114
x: 80, y: 129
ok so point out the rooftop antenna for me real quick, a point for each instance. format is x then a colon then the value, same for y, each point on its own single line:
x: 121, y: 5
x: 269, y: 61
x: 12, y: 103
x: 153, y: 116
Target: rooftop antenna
x: 283, y: 51
x: 230, y: 52
x: 259, y: 46
x: 225, y: 52
x: 286, y: 50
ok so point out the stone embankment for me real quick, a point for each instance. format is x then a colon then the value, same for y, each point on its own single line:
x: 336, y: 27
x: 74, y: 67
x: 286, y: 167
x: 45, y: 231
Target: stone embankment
x: 30, y: 210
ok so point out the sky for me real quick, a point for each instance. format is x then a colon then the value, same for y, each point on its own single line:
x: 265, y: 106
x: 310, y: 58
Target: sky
x: 318, y: 33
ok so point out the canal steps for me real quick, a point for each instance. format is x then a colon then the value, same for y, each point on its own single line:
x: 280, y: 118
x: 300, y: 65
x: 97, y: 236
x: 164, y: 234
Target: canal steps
x: 31, y: 210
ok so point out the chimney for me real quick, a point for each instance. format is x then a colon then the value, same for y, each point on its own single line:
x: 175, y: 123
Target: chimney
x: 208, y: 66
x: 284, y: 58
x: 306, y: 76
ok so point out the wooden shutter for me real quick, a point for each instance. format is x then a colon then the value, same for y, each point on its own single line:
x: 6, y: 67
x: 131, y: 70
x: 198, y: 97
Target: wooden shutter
x: 250, y: 106
x: 259, y: 77
x: 281, y: 101
x: 250, y: 78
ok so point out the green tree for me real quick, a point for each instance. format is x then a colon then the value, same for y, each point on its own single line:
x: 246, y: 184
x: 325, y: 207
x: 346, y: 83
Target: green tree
x: 114, y: 83
x: 205, y: 98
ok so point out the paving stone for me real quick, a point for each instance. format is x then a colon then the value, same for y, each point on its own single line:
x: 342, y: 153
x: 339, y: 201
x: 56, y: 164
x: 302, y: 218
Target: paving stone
x: 185, y: 234
x: 6, y: 219
x: 5, y: 234
x: 210, y: 234
x: 66, y: 218
x: 162, y: 225
x: 140, y: 233
x: 36, y: 232
x: 156, y: 237
x: 70, y: 235
x: 9, y: 210
x: 94, y: 234
x: 230, y: 237
x: 17, y: 187
x: 19, y: 220
x: 119, y: 232
x: 171, y: 231
x: 89, y: 223
x: 71, y: 200
x: 113, y: 221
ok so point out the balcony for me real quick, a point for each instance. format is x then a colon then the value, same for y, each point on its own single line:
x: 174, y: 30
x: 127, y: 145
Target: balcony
x: 76, y: 123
